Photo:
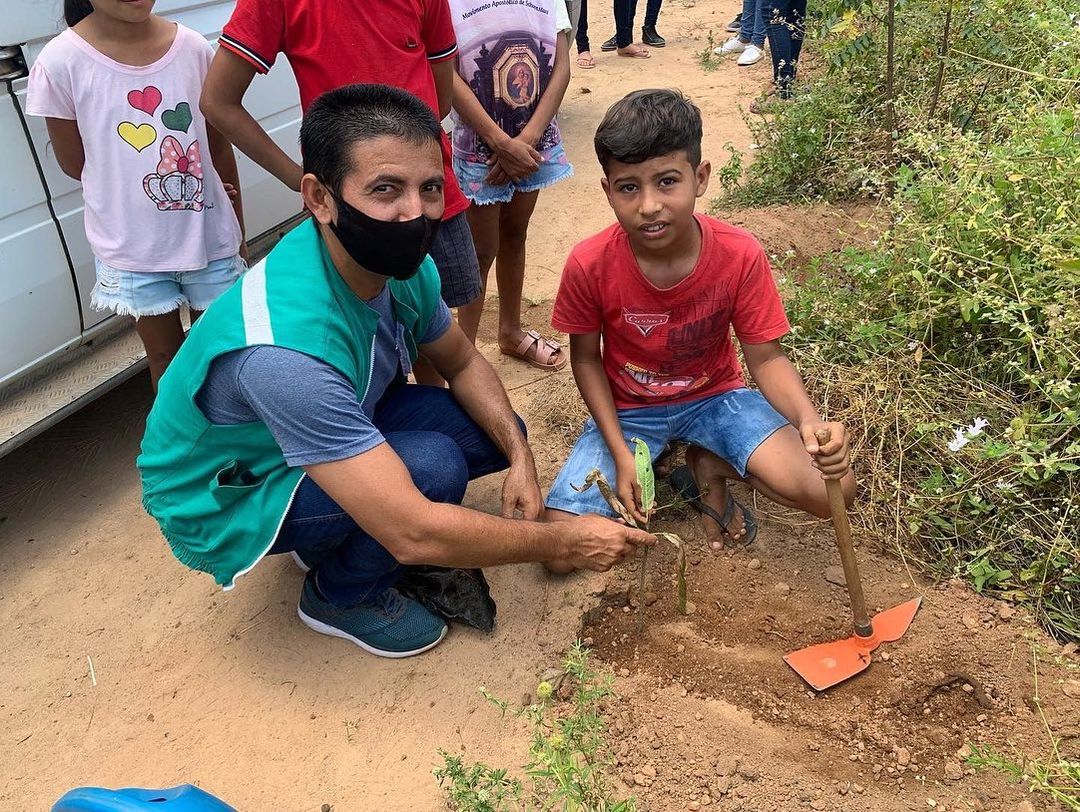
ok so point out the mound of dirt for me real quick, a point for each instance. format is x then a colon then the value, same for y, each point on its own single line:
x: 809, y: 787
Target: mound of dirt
x: 712, y: 717
x: 804, y: 232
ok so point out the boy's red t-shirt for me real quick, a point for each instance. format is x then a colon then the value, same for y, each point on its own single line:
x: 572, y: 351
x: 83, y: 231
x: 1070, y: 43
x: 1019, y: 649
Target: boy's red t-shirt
x: 663, y: 346
x: 330, y: 43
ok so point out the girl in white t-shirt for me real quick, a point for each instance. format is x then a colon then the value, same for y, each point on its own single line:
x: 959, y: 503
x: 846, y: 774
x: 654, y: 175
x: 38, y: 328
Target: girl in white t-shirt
x: 119, y: 90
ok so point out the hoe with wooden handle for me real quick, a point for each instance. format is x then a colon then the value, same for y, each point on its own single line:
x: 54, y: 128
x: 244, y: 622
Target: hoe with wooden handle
x: 827, y: 664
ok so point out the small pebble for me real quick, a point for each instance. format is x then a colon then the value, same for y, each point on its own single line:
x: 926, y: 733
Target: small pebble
x: 755, y: 564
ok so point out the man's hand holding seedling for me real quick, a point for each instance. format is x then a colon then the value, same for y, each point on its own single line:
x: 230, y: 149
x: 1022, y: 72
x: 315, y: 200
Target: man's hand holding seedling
x: 598, y: 543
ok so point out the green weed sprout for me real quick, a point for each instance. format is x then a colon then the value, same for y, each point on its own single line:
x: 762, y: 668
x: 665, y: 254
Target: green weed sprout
x: 568, y: 762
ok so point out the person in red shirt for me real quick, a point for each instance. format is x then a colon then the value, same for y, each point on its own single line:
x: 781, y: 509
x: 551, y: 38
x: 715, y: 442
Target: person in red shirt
x: 408, y: 44
x: 650, y: 304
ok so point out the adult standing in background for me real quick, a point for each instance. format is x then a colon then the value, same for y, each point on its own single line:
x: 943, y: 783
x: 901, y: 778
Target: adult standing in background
x: 579, y: 27
x: 749, y: 39
x: 408, y: 44
x: 785, y: 24
x: 623, y: 41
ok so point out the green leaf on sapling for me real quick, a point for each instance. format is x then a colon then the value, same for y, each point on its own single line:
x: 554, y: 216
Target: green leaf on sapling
x: 645, y: 476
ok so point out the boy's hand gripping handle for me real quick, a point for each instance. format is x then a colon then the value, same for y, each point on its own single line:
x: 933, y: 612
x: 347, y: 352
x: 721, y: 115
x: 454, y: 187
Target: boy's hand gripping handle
x: 842, y: 528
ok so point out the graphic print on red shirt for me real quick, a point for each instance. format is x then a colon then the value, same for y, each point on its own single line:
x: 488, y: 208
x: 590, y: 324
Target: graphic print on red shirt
x: 670, y: 345
x: 330, y: 43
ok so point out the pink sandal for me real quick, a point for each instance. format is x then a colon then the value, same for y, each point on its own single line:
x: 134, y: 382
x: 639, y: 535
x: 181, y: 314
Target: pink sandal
x: 537, y: 351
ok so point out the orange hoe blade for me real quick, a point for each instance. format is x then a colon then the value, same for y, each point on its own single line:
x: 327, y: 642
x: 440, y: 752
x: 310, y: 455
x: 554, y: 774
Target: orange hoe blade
x: 827, y: 664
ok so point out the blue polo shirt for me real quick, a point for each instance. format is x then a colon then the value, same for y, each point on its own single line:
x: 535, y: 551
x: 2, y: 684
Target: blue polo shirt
x: 310, y: 408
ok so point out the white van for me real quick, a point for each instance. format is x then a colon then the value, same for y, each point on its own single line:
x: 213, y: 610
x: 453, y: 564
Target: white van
x: 56, y: 354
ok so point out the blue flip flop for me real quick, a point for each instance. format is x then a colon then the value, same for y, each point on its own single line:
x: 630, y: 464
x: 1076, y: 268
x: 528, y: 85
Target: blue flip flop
x: 683, y: 482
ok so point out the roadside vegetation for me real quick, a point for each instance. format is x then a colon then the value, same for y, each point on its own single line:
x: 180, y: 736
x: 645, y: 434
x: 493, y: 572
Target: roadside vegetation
x: 951, y: 345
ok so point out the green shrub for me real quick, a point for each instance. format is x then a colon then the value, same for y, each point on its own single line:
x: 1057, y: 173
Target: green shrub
x: 968, y: 306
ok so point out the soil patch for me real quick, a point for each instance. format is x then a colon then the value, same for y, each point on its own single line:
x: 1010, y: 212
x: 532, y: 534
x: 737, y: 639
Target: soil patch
x: 712, y: 716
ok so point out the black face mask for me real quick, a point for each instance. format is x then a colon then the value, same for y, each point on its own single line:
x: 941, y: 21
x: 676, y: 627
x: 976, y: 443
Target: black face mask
x: 387, y: 248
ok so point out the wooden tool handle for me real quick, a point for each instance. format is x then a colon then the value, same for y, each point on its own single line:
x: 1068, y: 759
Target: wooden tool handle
x: 842, y: 528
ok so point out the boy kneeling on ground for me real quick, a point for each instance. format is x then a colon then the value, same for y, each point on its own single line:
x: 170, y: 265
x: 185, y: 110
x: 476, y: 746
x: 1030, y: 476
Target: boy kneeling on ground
x: 649, y: 304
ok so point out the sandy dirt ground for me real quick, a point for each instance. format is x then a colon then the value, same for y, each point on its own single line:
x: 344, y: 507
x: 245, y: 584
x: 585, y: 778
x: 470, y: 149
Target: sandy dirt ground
x: 230, y: 691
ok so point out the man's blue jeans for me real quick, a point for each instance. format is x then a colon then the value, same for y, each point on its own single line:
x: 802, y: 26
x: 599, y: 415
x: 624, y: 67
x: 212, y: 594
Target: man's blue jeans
x: 443, y: 449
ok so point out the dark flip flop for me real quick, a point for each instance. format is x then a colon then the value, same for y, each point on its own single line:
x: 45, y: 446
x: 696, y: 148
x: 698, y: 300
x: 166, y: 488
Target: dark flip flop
x: 662, y: 460
x: 683, y: 483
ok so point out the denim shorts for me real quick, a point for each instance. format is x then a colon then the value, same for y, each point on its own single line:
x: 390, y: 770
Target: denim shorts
x: 731, y: 425
x: 470, y: 176
x: 154, y: 293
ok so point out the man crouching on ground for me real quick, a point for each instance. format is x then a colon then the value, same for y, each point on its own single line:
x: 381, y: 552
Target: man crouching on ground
x: 285, y: 423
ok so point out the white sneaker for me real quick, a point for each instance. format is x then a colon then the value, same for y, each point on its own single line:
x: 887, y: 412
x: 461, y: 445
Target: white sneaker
x: 750, y: 55
x: 732, y: 46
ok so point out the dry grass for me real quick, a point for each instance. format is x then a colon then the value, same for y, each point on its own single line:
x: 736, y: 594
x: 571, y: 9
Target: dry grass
x: 559, y: 409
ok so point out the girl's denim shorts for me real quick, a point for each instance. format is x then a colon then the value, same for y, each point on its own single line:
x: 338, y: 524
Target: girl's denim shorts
x: 470, y: 177
x: 154, y: 293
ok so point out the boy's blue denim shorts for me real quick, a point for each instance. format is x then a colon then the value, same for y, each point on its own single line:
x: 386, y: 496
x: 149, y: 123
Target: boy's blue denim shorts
x: 470, y: 177
x: 154, y: 293
x: 731, y: 425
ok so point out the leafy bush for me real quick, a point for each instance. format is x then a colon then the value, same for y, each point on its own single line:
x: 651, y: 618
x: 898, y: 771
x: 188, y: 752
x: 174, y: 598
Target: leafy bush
x: 968, y: 306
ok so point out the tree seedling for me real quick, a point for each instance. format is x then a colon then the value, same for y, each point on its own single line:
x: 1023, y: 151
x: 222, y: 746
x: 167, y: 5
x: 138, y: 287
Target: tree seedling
x: 647, y: 482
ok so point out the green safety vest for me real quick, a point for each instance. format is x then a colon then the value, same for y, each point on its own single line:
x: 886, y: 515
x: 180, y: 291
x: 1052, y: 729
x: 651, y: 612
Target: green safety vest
x: 220, y: 493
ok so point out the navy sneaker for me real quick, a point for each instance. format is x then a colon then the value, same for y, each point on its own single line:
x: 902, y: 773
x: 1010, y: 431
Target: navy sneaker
x: 735, y: 25
x: 389, y: 626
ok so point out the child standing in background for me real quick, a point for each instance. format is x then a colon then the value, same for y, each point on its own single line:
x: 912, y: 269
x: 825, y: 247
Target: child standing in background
x: 513, y: 71
x: 119, y: 90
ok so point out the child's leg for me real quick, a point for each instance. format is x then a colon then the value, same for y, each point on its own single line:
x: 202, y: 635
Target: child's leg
x: 590, y: 453
x: 739, y: 435
x: 510, y: 268
x: 161, y: 336
x: 781, y: 469
x: 484, y: 225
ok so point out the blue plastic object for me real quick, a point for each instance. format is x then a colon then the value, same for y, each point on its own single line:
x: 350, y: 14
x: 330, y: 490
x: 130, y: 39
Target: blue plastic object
x: 184, y: 798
